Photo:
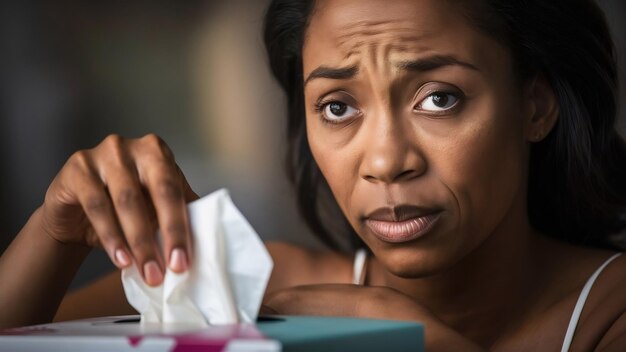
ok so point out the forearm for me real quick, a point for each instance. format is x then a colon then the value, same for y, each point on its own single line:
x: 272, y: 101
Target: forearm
x: 442, y: 338
x: 367, y: 302
x: 35, y: 272
x: 439, y: 336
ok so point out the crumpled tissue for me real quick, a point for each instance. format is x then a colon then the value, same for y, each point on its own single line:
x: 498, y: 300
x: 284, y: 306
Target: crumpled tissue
x: 229, y: 271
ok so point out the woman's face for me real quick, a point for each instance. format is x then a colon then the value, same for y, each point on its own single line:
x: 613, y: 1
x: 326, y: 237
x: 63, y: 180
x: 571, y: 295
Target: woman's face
x: 415, y: 120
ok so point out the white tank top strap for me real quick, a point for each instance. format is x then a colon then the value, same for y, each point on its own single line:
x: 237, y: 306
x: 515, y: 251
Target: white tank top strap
x: 358, y: 271
x: 571, y: 328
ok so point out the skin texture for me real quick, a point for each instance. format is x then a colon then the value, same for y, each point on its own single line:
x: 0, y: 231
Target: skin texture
x: 479, y: 279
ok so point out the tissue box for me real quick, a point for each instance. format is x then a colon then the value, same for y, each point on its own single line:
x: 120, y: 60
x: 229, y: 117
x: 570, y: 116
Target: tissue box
x: 276, y: 333
x: 305, y: 333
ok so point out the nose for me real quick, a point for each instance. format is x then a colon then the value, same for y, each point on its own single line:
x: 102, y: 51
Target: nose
x: 391, y: 155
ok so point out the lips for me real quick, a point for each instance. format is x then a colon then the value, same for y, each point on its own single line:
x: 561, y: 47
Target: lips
x: 402, y: 223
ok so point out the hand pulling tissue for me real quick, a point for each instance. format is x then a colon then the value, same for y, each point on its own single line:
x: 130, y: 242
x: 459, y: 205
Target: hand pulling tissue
x: 228, y: 274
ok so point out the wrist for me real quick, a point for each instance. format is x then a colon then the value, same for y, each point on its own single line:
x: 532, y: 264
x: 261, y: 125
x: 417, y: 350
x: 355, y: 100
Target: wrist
x: 36, y: 270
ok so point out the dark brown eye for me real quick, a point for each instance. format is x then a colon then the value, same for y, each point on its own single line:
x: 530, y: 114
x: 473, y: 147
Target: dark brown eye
x: 337, y: 108
x: 438, y: 101
x: 337, y: 111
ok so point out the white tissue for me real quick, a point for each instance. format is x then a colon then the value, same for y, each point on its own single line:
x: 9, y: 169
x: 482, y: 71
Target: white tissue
x: 227, y: 278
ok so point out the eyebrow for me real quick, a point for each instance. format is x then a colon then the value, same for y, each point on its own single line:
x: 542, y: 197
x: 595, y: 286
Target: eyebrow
x: 332, y: 73
x: 421, y: 65
x: 433, y: 62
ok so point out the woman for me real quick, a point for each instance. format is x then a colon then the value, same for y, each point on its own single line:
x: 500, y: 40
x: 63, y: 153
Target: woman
x: 470, y: 145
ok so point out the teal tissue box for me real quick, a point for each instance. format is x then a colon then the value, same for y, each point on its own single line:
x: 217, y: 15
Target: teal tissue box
x: 304, y: 333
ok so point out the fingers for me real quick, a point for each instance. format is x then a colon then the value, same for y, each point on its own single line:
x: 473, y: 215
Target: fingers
x: 133, y: 215
x: 97, y: 206
x: 167, y: 191
x: 126, y: 189
x: 146, y: 166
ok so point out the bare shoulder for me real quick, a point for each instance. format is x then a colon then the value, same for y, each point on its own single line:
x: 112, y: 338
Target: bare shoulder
x: 602, y: 321
x: 602, y: 325
x: 295, y: 266
x: 567, y: 269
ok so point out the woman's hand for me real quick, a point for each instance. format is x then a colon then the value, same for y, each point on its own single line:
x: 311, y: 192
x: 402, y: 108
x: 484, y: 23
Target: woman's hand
x: 366, y: 302
x: 116, y: 195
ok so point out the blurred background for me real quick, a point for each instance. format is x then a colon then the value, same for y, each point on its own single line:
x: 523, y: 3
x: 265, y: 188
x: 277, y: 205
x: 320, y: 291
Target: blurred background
x: 193, y: 72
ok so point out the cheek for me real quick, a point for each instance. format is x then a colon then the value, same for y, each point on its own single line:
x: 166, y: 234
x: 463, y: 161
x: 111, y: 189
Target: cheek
x: 335, y: 160
x: 485, y: 166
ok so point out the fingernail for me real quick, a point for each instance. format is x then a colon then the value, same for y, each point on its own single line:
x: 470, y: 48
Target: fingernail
x: 122, y: 258
x: 178, y: 260
x: 152, y: 273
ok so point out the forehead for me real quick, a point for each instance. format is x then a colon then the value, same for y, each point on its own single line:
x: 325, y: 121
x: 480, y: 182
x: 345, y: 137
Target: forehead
x: 344, y: 32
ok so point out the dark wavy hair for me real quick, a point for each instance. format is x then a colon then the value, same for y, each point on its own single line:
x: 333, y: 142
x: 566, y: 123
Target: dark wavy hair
x: 577, y: 174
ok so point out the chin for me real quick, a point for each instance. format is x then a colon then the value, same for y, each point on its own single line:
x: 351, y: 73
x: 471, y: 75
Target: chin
x: 409, y: 263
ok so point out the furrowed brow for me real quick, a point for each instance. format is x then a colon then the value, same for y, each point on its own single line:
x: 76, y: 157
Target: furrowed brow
x: 332, y: 73
x: 432, y: 63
